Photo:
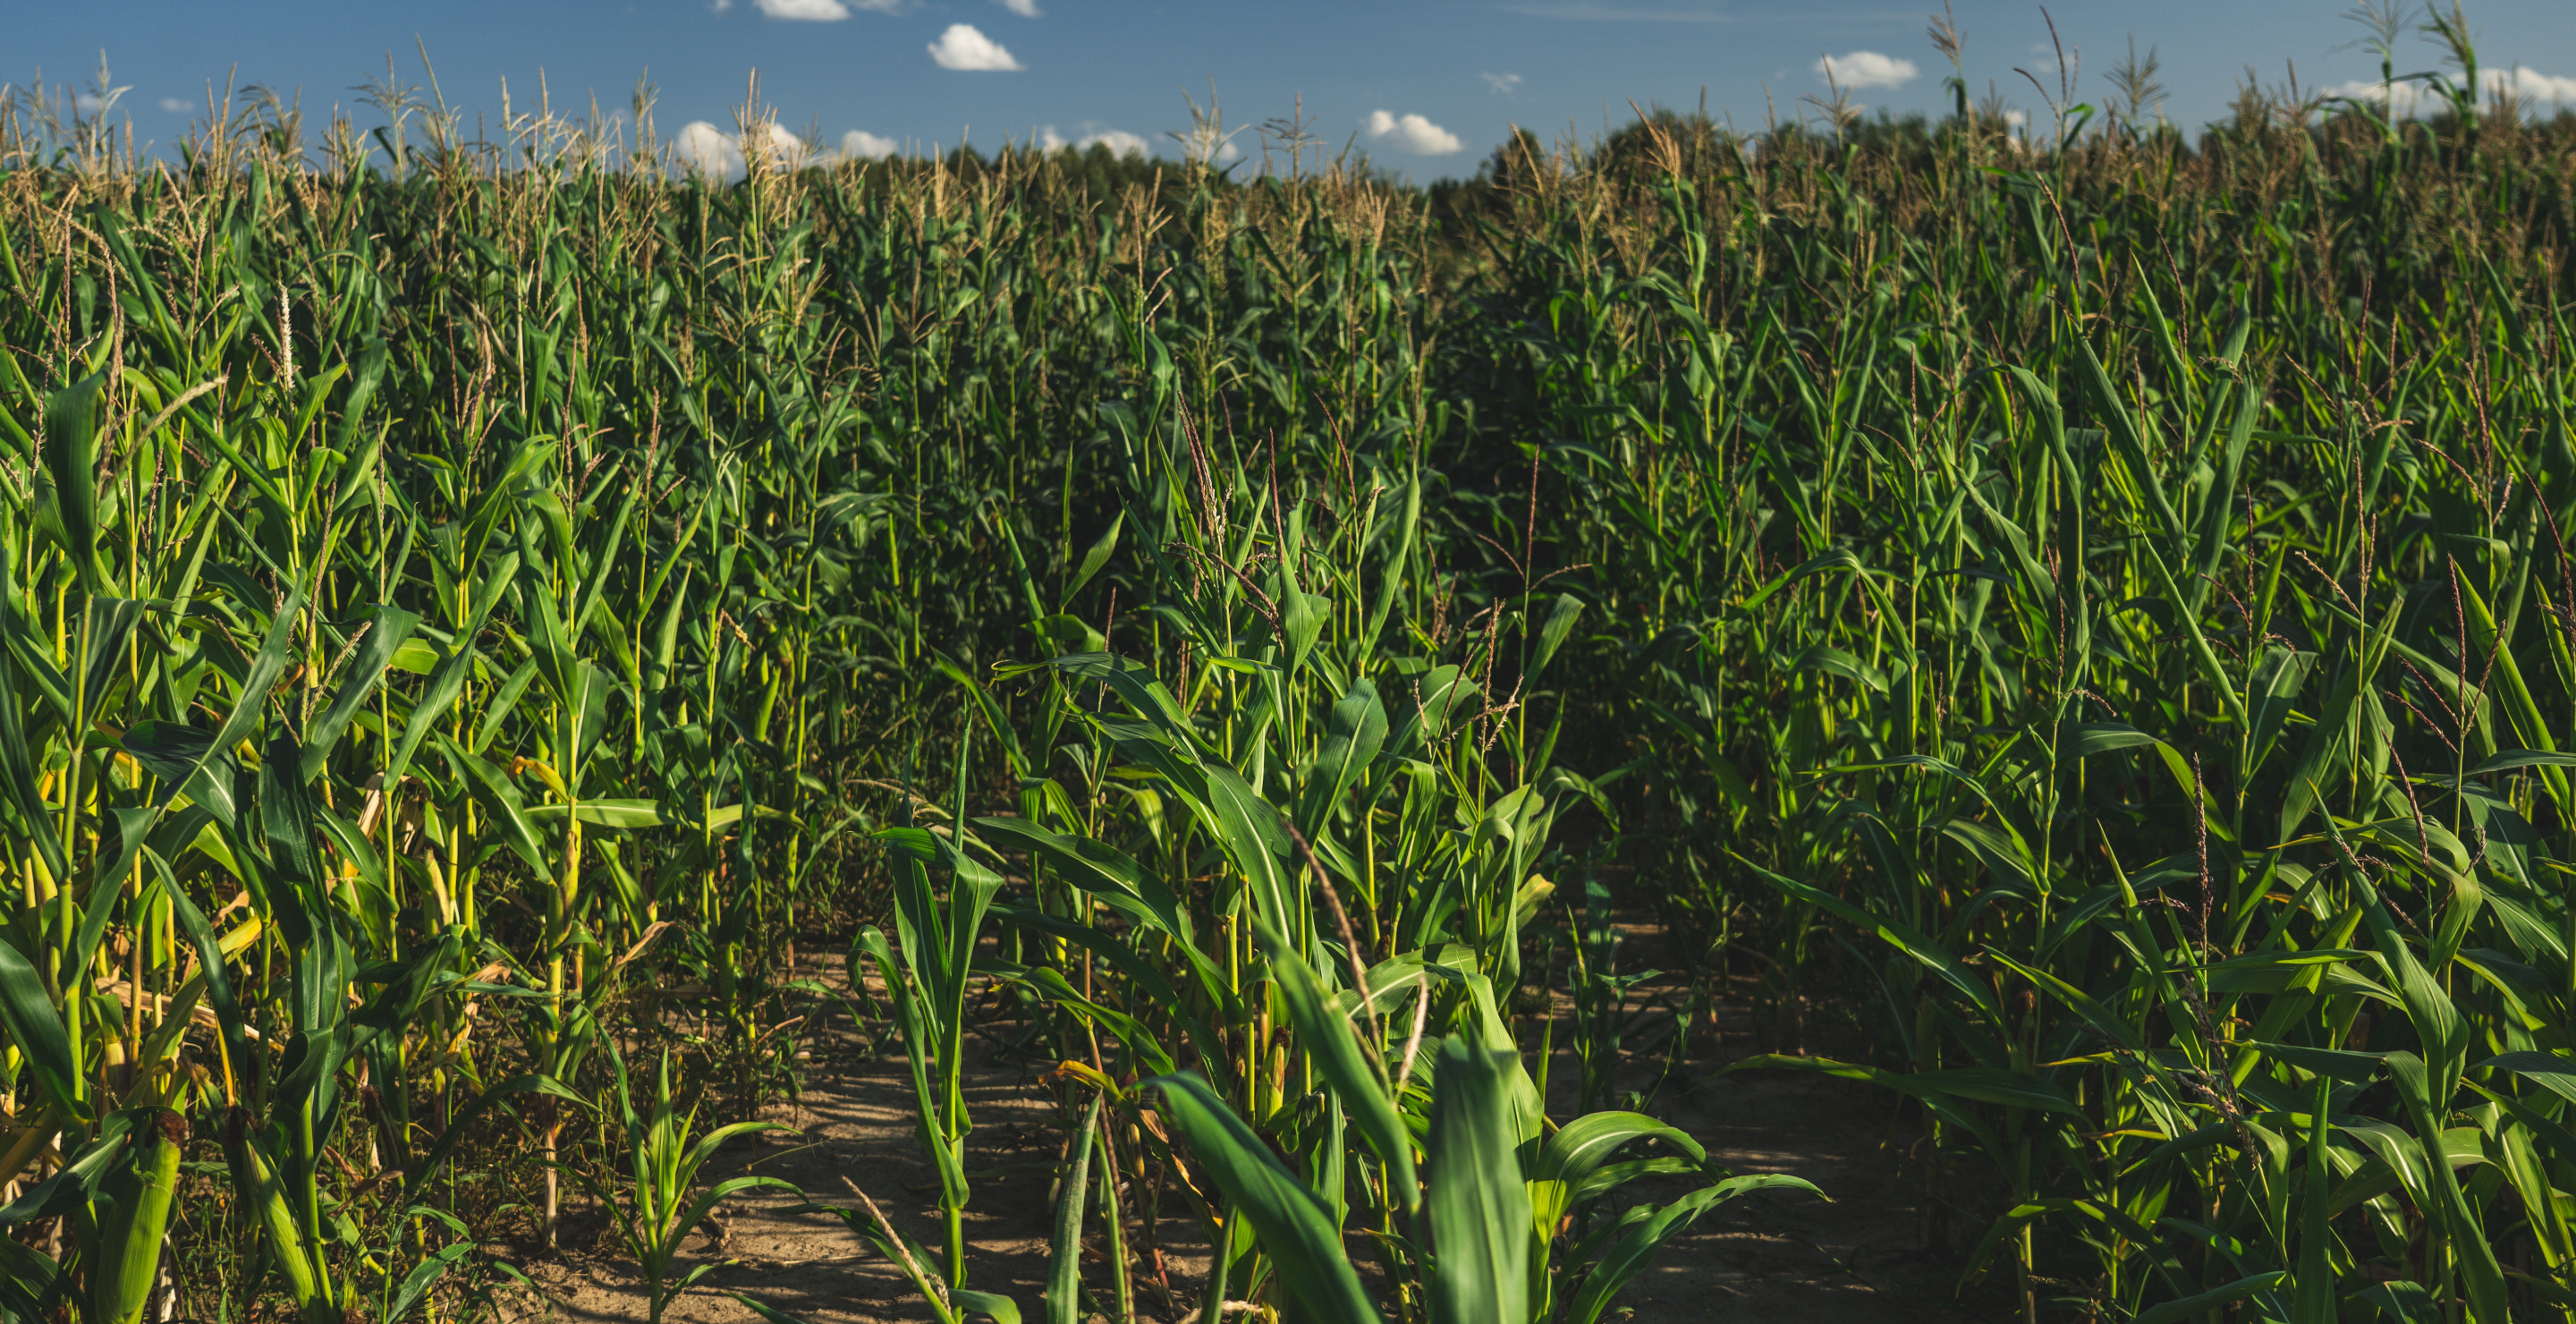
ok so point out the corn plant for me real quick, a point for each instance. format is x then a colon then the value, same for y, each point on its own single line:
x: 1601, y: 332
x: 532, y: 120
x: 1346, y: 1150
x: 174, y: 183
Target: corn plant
x: 662, y: 1206
x: 2077, y: 627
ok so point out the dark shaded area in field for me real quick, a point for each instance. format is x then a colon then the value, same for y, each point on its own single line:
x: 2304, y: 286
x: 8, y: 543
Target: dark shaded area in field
x: 1868, y: 1254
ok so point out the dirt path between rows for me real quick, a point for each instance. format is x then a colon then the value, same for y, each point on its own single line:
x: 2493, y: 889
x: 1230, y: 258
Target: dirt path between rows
x: 1787, y: 1258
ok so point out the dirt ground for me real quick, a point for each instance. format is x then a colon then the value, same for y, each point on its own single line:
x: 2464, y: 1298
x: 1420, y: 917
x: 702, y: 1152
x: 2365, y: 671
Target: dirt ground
x: 1787, y: 1258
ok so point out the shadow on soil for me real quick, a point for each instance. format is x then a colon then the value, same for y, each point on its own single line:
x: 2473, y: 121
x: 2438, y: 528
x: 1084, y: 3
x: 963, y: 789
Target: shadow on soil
x: 1786, y: 1258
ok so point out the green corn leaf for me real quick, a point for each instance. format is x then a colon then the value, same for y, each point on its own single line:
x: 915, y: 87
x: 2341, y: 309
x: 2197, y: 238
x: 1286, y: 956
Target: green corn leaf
x: 1249, y: 830
x: 922, y: 1040
x: 362, y: 445
x: 1051, y: 984
x: 106, y: 625
x: 201, y: 936
x: 2506, y: 760
x: 2416, y: 1086
x: 1438, y: 700
x: 1637, y: 1247
x: 1481, y: 1222
x: 1355, y: 730
x: 1568, y: 1158
x: 2555, y: 1072
x: 2172, y: 1312
x: 448, y: 682
x: 2314, y: 1300
x: 2091, y: 738
x: 387, y: 629
x: 1096, y: 867
x: 2133, y: 450
x: 250, y: 709
x: 1064, y: 1271
x: 18, y: 782
x: 92, y: 1163
x: 1139, y: 689
x: 66, y: 489
x: 1562, y: 617
x: 37, y: 1030
x: 416, y: 1285
x: 1293, y: 1226
x: 615, y: 815
x: 1326, y: 1035
x: 504, y: 702
x: 1096, y: 556
x: 768, y: 1313
x: 999, y: 1308
x: 500, y: 795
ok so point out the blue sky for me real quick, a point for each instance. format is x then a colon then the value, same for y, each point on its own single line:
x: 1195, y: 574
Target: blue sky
x: 1427, y: 87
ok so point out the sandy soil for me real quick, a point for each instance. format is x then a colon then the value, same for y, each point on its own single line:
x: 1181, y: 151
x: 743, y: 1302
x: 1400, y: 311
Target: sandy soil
x: 1785, y: 1258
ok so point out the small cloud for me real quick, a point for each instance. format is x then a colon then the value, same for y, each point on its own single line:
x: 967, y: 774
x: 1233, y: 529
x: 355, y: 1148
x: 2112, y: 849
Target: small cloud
x: 1023, y: 8
x: 1118, y: 141
x: 719, y: 6
x: 2531, y: 84
x: 708, y: 150
x: 177, y: 105
x: 2408, y: 98
x: 783, y: 148
x: 2015, y: 119
x: 1410, y: 133
x: 1503, y: 84
x: 1865, y: 69
x: 859, y: 144
x: 962, y: 47
x: 807, y: 11
x: 2402, y: 96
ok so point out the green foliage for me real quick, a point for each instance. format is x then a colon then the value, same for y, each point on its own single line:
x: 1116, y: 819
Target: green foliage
x: 661, y: 1205
x: 2108, y: 604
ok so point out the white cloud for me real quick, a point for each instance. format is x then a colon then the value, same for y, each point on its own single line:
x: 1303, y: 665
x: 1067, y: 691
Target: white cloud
x: 703, y: 147
x: 962, y: 47
x: 1023, y: 8
x: 1503, y: 84
x: 1410, y: 133
x: 859, y: 143
x: 177, y: 105
x: 1118, y: 141
x: 2531, y: 84
x: 1866, y: 69
x: 781, y: 147
x: 811, y: 11
x: 2404, y: 97
x: 719, y: 6
x: 2408, y: 98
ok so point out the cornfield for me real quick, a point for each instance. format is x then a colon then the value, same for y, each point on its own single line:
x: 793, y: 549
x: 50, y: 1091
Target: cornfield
x: 505, y: 640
